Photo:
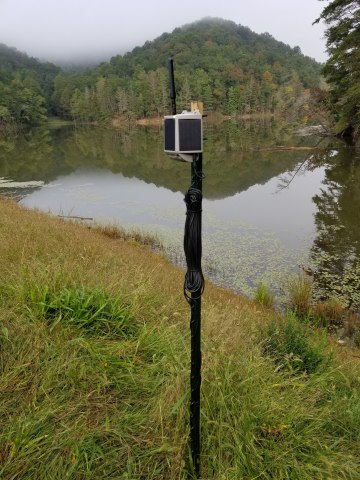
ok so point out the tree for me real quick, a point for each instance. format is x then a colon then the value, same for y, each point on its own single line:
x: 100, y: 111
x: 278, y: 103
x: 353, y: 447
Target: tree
x: 77, y: 104
x: 102, y: 98
x: 232, y: 101
x: 21, y: 105
x: 122, y: 102
x: 5, y: 116
x: 342, y: 69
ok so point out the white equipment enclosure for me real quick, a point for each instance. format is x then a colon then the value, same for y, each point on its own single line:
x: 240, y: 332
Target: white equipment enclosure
x: 183, y: 135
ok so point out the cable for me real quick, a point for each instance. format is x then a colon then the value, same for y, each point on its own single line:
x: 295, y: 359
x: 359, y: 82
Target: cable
x: 196, y: 176
x: 194, y: 280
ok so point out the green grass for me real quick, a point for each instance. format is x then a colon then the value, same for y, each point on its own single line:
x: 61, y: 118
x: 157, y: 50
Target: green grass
x: 294, y: 347
x: 95, y: 313
x: 264, y: 296
x: 80, y: 387
x: 94, y: 370
x: 299, y: 288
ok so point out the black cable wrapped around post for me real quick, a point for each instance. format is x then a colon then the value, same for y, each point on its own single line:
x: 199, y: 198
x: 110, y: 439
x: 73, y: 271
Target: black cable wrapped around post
x: 193, y: 288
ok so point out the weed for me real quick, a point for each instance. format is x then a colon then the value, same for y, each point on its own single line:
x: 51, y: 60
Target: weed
x: 357, y: 338
x: 329, y: 313
x: 299, y: 288
x: 264, y: 296
x: 138, y: 236
x: 90, y: 310
x: 288, y: 342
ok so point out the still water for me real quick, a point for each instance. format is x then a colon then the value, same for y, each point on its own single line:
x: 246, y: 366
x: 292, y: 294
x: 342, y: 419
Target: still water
x: 265, y: 211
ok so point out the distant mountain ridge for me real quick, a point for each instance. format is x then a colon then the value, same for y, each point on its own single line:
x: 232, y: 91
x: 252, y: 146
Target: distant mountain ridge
x: 230, y: 68
x: 16, y: 64
x: 213, y: 43
x: 12, y: 57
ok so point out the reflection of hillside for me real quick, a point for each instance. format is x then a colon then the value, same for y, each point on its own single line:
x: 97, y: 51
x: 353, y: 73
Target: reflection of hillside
x: 27, y: 156
x: 336, y: 249
x: 232, y: 160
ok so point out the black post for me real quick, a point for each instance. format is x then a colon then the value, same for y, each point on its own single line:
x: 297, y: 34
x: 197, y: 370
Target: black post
x: 195, y: 329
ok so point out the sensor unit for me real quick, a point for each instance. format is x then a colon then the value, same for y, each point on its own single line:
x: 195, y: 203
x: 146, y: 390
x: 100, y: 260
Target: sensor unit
x: 183, y: 135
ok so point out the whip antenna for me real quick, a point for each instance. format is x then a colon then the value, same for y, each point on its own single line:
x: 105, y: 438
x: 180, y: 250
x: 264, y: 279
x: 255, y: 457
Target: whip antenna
x: 172, y: 86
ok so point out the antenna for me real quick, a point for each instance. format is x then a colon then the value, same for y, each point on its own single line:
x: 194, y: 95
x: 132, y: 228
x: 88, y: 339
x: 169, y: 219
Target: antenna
x: 172, y: 86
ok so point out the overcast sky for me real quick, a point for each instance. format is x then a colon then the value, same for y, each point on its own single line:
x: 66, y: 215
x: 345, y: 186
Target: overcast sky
x: 66, y: 30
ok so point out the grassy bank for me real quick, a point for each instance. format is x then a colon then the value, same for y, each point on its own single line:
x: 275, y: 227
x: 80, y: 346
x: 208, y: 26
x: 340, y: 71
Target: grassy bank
x: 94, y: 350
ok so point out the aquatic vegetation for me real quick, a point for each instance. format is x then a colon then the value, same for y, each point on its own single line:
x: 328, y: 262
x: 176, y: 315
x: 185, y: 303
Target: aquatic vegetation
x: 343, y: 285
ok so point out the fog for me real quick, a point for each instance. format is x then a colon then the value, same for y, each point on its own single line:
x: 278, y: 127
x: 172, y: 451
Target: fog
x: 93, y: 30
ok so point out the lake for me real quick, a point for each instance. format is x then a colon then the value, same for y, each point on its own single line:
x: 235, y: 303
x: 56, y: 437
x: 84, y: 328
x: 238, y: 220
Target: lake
x: 266, y: 211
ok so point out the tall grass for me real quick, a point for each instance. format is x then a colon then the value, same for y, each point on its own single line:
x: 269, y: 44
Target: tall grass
x: 94, y: 363
x: 300, y: 292
x: 92, y: 311
x: 291, y: 345
x: 264, y: 296
x: 80, y: 399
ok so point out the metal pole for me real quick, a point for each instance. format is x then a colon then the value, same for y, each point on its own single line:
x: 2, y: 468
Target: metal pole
x: 195, y: 329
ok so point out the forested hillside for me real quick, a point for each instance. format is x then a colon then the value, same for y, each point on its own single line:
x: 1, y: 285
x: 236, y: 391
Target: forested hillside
x: 227, y: 66
x: 26, y: 87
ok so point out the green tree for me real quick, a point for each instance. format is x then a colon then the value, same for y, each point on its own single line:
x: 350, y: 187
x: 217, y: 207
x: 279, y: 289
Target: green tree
x: 342, y: 70
x: 77, y: 105
x: 23, y: 104
x: 63, y: 90
x: 103, y: 98
x: 232, y: 101
x: 184, y: 98
x: 5, y: 116
x: 122, y: 102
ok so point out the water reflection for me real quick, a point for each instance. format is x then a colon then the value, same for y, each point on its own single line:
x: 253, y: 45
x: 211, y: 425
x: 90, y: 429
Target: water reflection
x: 232, y: 160
x: 335, y: 253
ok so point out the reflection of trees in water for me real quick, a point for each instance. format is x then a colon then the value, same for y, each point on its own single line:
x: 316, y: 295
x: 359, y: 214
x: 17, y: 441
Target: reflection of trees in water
x: 233, y: 161
x: 336, y: 249
x: 26, y: 156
